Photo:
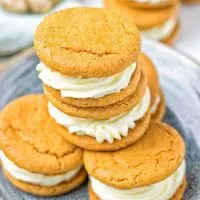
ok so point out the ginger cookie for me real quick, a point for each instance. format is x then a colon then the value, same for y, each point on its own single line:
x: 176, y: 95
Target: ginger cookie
x: 159, y: 24
x: 103, y: 112
x: 158, y: 105
x: 101, y: 101
x: 34, y: 155
x: 150, y: 4
x: 87, y: 42
x: 149, y: 165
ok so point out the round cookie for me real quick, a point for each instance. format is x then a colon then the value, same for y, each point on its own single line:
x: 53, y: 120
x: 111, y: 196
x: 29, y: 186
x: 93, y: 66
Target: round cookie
x: 150, y: 5
x: 90, y: 143
x: 106, y: 42
x: 178, y: 196
x: 173, y: 36
x: 104, y: 112
x: 28, y: 133
x: 161, y: 110
x: 150, y: 155
x: 102, y: 101
x: 143, y: 18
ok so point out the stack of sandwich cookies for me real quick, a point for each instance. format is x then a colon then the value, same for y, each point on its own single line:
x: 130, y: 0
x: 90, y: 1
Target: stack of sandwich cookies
x: 94, y: 84
x: 158, y: 105
x: 34, y: 156
x: 160, y: 24
x: 153, y: 168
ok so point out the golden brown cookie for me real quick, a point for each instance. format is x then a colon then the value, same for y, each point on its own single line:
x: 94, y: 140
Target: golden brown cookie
x: 90, y: 143
x: 178, y: 196
x: 51, y: 190
x: 161, y: 110
x: 191, y: 1
x: 151, y: 5
x: 158, y: 153
x: 151, y: 74
x: 102, y: 101
x: 87, y: 42
x: 173, y: 36
x: 104, y: 112
x: 143, y: 18
x: 32, y: 140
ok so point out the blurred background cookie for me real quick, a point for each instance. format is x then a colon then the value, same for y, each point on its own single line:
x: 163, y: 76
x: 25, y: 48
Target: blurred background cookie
x: 35, y: 6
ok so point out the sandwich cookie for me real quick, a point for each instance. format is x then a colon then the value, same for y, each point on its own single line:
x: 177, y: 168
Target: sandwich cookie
x: 100, y: 128
x: 106, y: 134
x: 160, y: 24
x: 158, y: 105
x: 34, y: 156
x: 148, y: 169
x: 94, y: 86
x: 150, y: 4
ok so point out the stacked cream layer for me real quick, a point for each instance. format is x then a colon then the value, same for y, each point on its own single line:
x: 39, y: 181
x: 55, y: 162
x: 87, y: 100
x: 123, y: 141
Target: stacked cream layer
x: 102, y: 130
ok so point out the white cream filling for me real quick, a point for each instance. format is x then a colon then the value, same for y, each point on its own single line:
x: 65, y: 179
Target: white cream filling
x: 151, y: 2
x: 155, y: 104
x: 161, y: 32
x: 163, y: 190
x: 103, y: 130
x: 34, y: 178
x: 85, y: 88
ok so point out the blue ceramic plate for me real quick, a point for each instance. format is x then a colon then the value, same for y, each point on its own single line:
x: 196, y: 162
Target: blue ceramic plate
x: 180, y: 80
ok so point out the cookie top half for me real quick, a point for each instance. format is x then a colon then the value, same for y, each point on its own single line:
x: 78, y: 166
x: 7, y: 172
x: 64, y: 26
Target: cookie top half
x: 31, y: 139
x: 152, y: 159
x: 87, y: 42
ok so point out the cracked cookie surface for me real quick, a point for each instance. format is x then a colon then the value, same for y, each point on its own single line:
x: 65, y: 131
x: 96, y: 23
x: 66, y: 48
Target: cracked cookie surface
x: 153, y: 158
x: 87, y: 42
x: 31, y: 138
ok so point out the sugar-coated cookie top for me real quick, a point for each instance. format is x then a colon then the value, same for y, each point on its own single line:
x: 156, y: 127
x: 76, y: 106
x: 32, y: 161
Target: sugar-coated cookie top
x: 31, y: 138
x: 87, y: 42
x: 152, y: 159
